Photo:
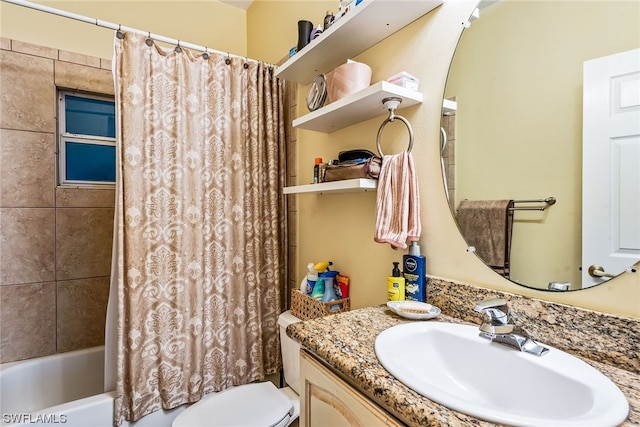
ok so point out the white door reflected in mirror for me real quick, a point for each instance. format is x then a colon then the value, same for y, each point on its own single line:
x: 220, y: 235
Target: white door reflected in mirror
x: 611, y: 166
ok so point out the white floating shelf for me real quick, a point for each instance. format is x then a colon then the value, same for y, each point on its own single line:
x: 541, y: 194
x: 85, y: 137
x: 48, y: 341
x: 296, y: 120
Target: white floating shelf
x: 344, y: 186
x: 449, y: 107
x: 357, y: 107
x: 364, y: 26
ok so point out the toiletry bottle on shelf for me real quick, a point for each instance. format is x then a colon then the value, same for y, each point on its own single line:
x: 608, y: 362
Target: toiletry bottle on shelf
x: 316, y: 32
x: 414, y: 267
x: 328, y: 20
x: 316, y: 170
x: 395, y: 284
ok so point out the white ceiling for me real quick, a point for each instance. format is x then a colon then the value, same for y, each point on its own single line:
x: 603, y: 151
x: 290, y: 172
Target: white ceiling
x: 242, y: 4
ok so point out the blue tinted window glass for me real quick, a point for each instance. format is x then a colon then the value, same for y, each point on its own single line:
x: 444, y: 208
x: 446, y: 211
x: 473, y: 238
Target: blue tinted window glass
x: 90, y: 162
x: 86, y: 116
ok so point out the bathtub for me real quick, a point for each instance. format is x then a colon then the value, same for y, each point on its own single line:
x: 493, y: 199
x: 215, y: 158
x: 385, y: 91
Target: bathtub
x: 64, y: 389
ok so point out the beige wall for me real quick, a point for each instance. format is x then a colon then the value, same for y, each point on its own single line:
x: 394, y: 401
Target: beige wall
x: 55, y: 241
x: 272, y: 26
x: 517, y: 74
x: 340, y: 227
x: 207, y: 23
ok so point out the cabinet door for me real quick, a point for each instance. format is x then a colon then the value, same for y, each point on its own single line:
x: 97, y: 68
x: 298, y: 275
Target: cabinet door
x: 329, y: 401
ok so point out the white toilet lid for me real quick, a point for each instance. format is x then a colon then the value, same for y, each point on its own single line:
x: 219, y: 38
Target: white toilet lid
x: 257, y: 404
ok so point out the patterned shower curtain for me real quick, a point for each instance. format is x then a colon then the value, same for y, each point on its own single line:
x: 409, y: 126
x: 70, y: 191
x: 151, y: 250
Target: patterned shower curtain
x: 200, y: 224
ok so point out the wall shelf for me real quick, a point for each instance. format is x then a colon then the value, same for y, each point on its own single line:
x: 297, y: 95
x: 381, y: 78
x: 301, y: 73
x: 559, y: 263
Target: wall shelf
x: 357, y: 107
x: 344, y: 186
x: 449, y: 107
x: 367, y: 24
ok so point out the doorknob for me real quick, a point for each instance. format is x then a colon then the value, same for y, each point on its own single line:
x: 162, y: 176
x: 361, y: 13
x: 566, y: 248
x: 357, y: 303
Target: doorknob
x: 598, y: 271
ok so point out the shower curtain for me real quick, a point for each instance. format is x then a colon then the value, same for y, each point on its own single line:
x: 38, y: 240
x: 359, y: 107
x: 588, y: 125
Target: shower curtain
x: 200, y: 224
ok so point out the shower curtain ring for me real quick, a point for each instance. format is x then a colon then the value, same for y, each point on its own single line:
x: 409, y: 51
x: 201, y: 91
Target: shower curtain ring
x: 228, y: 60
x: 205, y: 55
x: 119, y: 33
x: 178, y: 48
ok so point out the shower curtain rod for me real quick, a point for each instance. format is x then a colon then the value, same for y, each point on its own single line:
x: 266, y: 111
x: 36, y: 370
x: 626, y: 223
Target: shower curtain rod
x: 112, y: 26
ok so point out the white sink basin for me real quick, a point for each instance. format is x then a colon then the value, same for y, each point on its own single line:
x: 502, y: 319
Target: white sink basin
x: 450, y: 364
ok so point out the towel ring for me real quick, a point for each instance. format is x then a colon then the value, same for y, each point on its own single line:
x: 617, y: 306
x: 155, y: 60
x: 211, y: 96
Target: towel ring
x: 391, y: 104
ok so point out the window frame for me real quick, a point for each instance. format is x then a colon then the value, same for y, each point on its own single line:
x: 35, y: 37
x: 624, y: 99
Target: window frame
x: 64, y: 137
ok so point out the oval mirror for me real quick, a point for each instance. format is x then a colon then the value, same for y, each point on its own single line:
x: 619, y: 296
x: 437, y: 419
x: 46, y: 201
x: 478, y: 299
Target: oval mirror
x: 513, y: 119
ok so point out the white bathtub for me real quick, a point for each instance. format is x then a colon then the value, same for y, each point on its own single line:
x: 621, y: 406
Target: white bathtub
x: 64, y: 389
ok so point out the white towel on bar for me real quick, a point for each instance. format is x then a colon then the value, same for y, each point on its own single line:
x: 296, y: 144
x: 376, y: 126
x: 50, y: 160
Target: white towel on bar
x: 398, y: 201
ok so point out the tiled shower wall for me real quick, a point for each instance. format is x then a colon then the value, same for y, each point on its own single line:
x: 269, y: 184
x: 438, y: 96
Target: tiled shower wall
x: 292, y: 179
x: 448, y: 123
x: 55, y: 242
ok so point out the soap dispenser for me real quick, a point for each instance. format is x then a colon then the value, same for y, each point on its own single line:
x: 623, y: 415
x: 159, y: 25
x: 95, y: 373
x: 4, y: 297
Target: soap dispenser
x: 395, y: 284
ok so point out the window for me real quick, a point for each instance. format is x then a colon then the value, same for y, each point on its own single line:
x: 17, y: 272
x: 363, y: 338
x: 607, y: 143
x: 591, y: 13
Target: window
x: 87, y: 149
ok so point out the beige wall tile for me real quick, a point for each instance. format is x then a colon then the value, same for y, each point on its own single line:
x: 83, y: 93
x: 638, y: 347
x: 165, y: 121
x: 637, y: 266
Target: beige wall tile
x: 78, y: 58
x: 83, y: 242
x: 27, y: 321
x: 27, y: 93
x: 73, y: 76
x: 82, y: 310
x: 28, y: 234
x: 27, y: 245
x: 5, y: 43
x: 28, y: 173
x: 34, y: 49
x: 70, y: 197
x: 105, y: 64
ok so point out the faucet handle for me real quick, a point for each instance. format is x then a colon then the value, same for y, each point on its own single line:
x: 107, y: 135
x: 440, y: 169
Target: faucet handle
x: 496, y: 310
x: 491, y: 303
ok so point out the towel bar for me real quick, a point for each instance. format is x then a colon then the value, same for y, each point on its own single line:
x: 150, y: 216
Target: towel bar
x: 391, y: 104
x: 548, y: 201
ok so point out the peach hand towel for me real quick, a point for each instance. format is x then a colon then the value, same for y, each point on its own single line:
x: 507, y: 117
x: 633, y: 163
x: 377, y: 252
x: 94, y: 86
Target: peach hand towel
x: 398, y: 201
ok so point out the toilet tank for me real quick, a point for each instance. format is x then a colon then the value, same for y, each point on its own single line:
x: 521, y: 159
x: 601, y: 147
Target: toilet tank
x: 290, y: 352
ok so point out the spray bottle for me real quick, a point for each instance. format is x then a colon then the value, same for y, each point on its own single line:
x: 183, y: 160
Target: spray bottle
x: 309, y: 281
x: 320, y: 287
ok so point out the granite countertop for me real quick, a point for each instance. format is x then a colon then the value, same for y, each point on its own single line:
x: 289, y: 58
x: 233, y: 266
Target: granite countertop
x: 345, y: 342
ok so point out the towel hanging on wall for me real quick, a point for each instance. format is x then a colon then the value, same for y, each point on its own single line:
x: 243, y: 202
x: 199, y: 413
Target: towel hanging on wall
x: 487, y: 225
x: 398, y: 201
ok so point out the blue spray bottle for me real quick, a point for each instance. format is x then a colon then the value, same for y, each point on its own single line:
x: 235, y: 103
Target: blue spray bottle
x: 415, y: 273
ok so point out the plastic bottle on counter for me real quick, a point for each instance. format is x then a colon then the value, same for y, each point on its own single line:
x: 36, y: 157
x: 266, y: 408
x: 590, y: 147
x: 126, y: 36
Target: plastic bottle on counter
x: 331, y: 289
x: 414, y: 267
x: 318, y: 289
x: 395, y: 284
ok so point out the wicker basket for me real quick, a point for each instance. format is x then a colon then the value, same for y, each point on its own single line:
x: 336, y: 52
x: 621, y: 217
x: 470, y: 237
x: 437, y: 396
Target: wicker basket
x: 304, y: 307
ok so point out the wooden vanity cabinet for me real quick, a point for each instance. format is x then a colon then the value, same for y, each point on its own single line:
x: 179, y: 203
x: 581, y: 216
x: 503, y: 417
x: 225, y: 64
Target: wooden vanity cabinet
x: 327, y: 400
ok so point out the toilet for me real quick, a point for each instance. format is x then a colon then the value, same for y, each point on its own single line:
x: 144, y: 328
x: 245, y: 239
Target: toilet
x: 256, y: 404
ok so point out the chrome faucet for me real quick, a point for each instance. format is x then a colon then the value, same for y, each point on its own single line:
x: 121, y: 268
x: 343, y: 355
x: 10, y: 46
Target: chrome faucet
x: 499, y: 326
